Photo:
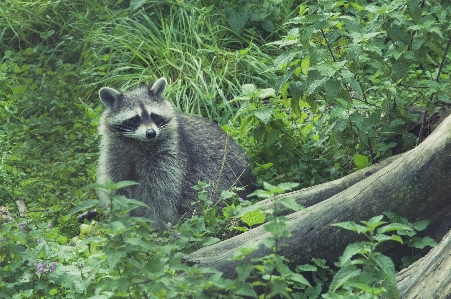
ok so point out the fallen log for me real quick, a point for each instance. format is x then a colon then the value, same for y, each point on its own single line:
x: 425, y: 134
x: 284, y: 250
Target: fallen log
x: 429, y: 277
x: 416, y: 186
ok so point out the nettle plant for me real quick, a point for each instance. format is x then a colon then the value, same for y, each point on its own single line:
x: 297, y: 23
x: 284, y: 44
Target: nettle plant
x: 347, y: 74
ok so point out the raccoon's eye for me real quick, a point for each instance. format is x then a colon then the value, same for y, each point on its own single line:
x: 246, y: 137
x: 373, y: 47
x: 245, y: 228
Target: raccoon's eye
x: 131, y: 123
x: 158, y: 119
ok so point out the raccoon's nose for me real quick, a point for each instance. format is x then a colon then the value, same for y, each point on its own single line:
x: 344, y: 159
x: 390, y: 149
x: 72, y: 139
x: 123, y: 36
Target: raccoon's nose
x: 150, y: 134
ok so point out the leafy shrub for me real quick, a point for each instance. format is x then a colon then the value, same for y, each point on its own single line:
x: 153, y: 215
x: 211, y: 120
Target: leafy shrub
x: 348, y: 71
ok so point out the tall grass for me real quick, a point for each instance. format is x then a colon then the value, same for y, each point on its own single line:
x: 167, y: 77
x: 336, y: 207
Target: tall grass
x: 204, y: 65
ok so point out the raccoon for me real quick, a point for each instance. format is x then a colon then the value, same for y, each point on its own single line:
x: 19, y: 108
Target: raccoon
x: 144, y: 139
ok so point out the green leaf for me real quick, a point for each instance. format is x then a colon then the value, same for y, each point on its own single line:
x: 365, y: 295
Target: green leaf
x: 85, y: 205
x: 386, y: 265
x: 243, y: 271
x: 253, y: 218
x: 393, y: 227
x: 343, y: 275
x: 245, y: 251
x: 360, y: 161
x: 269, y: 242
x: 421, y: 243
x: 267, y: 25
x: 420, y: 225
x: 352, y: 250
x: 374, y: 222
x: 283, y: 60
x: 236, y: 18
x: 382, y: 238
x: 264, y: 115
x: 298, y: 278
x: 352, y: 226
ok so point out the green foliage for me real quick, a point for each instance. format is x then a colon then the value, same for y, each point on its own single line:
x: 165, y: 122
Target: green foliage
x: 271, y: 272
x: 411, y: 239
x: 348, y: 72
x: 364, y: 272
x: 284, y: 145
x: 334, y: 100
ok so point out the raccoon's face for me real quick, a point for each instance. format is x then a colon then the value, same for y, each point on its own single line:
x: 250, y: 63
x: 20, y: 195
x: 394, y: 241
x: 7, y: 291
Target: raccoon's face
x: 142, y: 114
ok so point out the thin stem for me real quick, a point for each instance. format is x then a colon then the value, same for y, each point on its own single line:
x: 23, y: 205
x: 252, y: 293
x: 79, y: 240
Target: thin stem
x: 328, y: 46
x: 442, y: 64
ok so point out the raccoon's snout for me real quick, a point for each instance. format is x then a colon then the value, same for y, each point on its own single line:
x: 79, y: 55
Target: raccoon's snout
x: 150, y: 134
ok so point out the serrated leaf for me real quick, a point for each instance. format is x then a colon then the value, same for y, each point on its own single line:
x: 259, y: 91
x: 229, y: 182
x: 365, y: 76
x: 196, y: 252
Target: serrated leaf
x: 386, y: 265
x: 267, y: 25
x: 264, y: 115
x: 299, y: 278
x: 420, y: 225
x: 360, y: 161
x: 290, y: 203
x: 383, y: 238
x: 350, y: 251
x: 248, y: 90
x: 343, y: 275
x: 236, y: 18
x: 283, y: 60
x: 124, y: 184
x: 269, y: 242
x: 253, y: 218
x: 421, y: 243
x: 332, y: 88
x: 245, y: 251
x: 393, y: 227
x: 266, y: 93
x: 352, y: 226
x: 315, y: 84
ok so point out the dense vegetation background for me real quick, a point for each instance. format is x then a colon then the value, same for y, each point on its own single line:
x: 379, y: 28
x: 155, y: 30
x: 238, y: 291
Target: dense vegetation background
x: 312, y: 89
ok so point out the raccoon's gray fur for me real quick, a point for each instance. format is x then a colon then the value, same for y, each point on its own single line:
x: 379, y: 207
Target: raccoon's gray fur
x: 144, y: 139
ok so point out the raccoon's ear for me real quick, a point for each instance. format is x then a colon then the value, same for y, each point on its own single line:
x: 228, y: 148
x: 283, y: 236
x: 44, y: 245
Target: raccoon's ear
x: 158, y: 87
x: 109, y: 96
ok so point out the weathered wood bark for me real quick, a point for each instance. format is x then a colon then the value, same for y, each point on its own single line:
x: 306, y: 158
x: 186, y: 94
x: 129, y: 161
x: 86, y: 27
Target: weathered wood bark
x: 416, y: 185
x: 430, y: 277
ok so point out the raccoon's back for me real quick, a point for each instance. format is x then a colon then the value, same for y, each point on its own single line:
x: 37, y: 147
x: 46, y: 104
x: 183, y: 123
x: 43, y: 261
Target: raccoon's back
x: 203, y: 143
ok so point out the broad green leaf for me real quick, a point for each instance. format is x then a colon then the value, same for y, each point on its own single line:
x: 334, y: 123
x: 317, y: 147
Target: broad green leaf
x: 421, y: 243
x: 236, y: 18
x: 375, y: 221
x: 253, y: 218
x: 387, y: 266
x: 343, y: 275
x: 264, y: 115
x: 298, y: 278
x: 393, y: 227
x: 266, y: 93
x: 352, y: 250
x: 352, y: 226
x: 420, y: 225
x: 267, y: 25
x: 360, y: 161
x: 290, y: 203
x: 245, y: 251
